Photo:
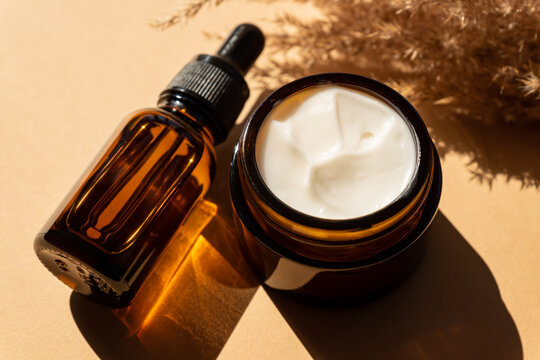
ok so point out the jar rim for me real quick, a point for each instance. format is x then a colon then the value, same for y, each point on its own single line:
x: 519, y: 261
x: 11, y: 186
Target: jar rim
x: 366, y: 85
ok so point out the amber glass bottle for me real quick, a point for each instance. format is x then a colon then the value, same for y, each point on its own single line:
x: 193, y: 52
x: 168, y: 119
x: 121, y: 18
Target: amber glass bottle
x: 111, y: 230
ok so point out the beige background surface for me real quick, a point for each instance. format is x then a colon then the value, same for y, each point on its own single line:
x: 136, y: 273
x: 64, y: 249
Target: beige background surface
x: 71, y: 70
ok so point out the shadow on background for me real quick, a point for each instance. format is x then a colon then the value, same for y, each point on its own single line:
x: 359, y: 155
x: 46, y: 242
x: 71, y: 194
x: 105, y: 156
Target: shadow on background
x: 450, y: 308
x: 190, y: 313
x: 507, y: 150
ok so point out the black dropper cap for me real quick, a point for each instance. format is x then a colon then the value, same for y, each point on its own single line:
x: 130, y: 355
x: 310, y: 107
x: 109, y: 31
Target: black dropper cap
x: 216, y: 83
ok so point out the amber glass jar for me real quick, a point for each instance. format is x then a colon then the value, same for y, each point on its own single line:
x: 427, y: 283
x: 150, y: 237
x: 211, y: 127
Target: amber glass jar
x: 325, y: 258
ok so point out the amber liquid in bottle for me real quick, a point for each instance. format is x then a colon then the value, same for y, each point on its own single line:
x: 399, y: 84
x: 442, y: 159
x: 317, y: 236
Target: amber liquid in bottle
x: 129, y: 205
x: 111, y: 231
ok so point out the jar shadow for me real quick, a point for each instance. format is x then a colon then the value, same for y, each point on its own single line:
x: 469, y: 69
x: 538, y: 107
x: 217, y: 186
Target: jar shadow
x: 450, y: 308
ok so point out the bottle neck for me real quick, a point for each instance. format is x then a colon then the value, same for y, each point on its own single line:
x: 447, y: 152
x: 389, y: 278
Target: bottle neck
x: 190, y: 111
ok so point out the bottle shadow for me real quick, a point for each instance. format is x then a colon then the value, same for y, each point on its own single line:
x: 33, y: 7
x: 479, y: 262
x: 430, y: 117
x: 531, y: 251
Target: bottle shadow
x: 450, y: 308
x: 191, y: 316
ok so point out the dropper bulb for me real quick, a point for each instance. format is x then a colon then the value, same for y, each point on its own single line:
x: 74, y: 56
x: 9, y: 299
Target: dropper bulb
x: 243, y: 47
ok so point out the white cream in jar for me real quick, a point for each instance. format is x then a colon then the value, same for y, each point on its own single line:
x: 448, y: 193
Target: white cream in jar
x: 336, y: 153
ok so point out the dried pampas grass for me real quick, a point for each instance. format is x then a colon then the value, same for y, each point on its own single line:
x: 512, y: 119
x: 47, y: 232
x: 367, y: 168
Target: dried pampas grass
x: 479, y: 57
x: 471, y: 60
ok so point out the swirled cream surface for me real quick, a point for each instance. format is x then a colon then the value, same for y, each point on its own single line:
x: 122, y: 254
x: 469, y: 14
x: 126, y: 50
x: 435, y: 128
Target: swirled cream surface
x: 336, y: 153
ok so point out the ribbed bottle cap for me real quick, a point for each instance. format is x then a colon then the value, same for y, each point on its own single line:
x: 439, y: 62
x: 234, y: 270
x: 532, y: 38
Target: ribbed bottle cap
x: 216, y: 82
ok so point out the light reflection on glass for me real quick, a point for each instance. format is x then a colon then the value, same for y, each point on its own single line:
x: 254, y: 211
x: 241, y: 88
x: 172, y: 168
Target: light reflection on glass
x: 197, y: 293
x: 160, y: 280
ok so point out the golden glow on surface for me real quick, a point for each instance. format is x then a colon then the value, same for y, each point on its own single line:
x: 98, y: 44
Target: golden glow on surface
x: 200, y: 306
x: 170, y: 284
x: 160, y: 279
x: 198, y: 291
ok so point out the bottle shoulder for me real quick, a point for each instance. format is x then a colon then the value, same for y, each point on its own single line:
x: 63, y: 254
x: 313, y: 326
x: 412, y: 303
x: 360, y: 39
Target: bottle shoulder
x: 180, y: 121
x: 161, y: 117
